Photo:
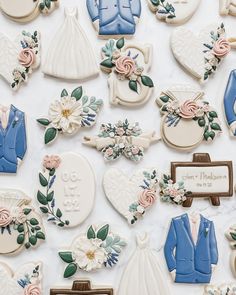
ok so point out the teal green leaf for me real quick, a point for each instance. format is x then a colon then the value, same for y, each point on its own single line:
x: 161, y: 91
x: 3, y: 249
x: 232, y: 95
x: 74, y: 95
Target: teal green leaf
x: 215, y: 126
x: 59, y: 213
x: 66, y: 256
x: 27, y: 211
x: 91, y: 233
x: 41, y: 6
x: 147, y: 81
x: 44, y: 210
x: 107, y: 63
x: 70, y: 270
x: 103, y: 232
x: 50, y: 196
x: 213, y: 114
x: 155, y: 2
x: 201, y: 122
x: 40, y: 235
x: 41, y: 198
x: 233, y: 235
x: 108, y: 49
x: 77, y: 93
x: 164, y: 98
x: 64, y: 93
x: 120, y: 43
x: 84, y: 99
x: 20, y: 228
x: 50, y: 135
x: 133, y: 85
x: 33, y: 240
x: 52, y: 171
x: 48, y: 3
x: 34, y: 221
x: 20, y: 239
x: 42, y: 179
x: 27, y: 245
x: 43, y: 121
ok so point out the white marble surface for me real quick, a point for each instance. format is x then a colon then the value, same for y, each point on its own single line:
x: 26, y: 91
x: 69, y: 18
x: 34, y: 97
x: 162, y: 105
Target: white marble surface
x: 40, y: 91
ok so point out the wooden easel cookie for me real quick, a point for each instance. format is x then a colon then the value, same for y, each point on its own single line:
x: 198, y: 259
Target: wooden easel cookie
x: 201, y: 178
x: 27, y: 10
x: 202, y: 54
x: 83, y: 287
x: 187, y: 118
x: 67, y: 189
x: 174, y: 11
x: 20, y: 226
x: 127, y: 65
x: 231, y: 236
x: 27, y: 280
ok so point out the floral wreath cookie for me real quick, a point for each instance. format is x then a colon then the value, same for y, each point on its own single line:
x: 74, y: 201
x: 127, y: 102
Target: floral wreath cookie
x: 97, y: 248
x: 70, y: 113
x: 20, y: 226
x: 27, y: 10
x: 127, y: 66
x: 131, y: 197
x: 27, y: 280
x: 67, y: 189
x: 19, y: 58
x: 120, y: 139
x: 201, y: 55
x: 174, y: 11
x: 187, y: 118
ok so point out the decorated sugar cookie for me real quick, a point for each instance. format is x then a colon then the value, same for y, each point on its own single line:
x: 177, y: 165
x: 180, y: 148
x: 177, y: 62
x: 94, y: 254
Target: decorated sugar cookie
x: 27, y: 10
x: 191, y: 249
x: 120, y: 139
x: 231, y: 236
x: 229, y: 102
x: 131, y: 197
x: 12, y: 138
x: 70, y: 113
x: 20, y: 226
x: 127, y: 65
x: 227, y: 7
x: 19, y: 58
x: 188, y: 119
x: 224, y: 289
x: 200, y: 178
x: 174, y: 11
x: 114, y: 18
x: 27, y: 279
x: 84, y: 288
x: 70, y: 55
x: 99, y: 247
x: 67, y: 189
x: 201, y: 54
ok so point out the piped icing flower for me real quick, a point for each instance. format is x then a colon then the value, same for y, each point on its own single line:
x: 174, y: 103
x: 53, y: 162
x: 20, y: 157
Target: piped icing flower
x: 125, y: 65
x: 147, y: 198
x: 32, y: 290
x: 188, y: 109
x: 51, y: 162
x: 27, y: 57
x: 5, y: 217
x: 221, y: 48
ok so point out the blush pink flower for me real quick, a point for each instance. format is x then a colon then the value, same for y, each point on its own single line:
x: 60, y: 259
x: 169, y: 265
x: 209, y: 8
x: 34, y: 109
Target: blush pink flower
x: 5, y: 217
x: 135, y: 150
x: 32, y: 290
x: 27, y: 57
x: 221, y: 48
x: 51, y: 162
x: 109, y: 152
x: 188, y: 109
x: 147, y: 198
x: 125, y: 66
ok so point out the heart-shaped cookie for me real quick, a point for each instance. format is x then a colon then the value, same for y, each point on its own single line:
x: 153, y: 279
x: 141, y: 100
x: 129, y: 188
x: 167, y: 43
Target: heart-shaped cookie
x: 26, y: 280
x: 200, y: 54
x: 131, y: 197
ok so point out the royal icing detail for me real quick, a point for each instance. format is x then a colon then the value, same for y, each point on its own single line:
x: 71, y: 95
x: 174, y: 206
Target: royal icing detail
x: 67, y: 189
x: 120, y: 139
x: 224, y: 289
x: 27, y: 280
x: 19, y: 58
x: 20, y: 226
x: 231, y: 236
x: 227, y: 7
x: 67, y: 59
x: 127, y: 66
x: 27, y: 10
x: 187, y: 118
x: 131, y: 197
x: 201, y: 55
x: 174, y: 11
x: 97, y: 248
x: 202, y: 251
x: 112, y: 18
x: 70, y: 113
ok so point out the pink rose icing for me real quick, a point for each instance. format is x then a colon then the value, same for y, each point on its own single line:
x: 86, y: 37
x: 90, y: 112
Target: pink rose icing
x: 147, y: 198
x: 5, y: 217
x: 188, y: 109
x: 27, y: 57
x: 221, y: 48
x: 51, y: 162
x: 125, y: 65
x: 32, y: 290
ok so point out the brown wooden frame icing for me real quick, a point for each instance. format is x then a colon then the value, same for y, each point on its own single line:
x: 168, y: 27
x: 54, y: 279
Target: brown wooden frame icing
x: 204, y: 160
x: 82, y: 287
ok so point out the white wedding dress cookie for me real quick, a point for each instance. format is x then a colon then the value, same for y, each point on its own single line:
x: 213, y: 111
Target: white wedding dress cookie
x: 70, y: 55
x: 174, y: 11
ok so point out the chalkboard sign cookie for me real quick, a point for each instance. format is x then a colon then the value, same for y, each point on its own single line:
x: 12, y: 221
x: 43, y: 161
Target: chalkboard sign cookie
x: 98, y: 248
x: 200, y: 178
x: 231, y: 236
x: 188, y: 119
x: 67, y: 189
x: 82, y: 287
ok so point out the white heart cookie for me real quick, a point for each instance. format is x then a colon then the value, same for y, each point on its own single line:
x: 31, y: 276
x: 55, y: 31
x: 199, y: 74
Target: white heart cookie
x: 200, y: 54
x: 26, y: 280
x: 131, y: 197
